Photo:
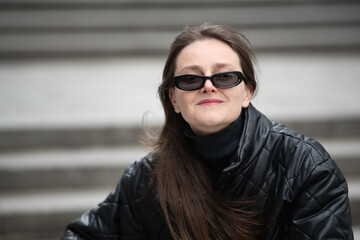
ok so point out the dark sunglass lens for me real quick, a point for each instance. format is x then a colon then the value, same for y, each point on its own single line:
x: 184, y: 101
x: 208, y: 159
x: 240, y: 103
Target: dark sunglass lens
x: 225, y: 79
x: 189, y: 82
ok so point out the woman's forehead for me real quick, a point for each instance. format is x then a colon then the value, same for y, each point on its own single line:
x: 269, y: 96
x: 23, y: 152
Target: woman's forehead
x: 209, y: 53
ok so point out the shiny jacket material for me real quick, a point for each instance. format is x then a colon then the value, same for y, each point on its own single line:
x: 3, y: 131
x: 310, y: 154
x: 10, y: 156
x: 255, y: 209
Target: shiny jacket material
x: 306, y: 194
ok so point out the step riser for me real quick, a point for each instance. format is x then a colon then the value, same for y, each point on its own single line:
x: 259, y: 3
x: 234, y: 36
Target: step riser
x: 36, y: 226
x: 14, y: 140
x: 52, y: 30
x: 59, y: 178
x: 53, y: 224
x: 355, y: 211
x: 327, y: 129
x: 84, y: 177
x: 350, y: 167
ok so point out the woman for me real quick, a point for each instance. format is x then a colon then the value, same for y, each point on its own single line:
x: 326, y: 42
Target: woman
x: 219, y: 168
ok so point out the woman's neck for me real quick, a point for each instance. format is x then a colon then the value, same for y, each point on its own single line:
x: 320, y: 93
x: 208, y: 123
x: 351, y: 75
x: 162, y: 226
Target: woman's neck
x: 217, y: 148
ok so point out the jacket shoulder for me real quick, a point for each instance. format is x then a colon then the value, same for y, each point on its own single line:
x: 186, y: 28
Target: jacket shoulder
x: 118, y: 215
x: 136, y: 177
x: 302, y: 158
x: 305, y: 148
x: 137, y: 169
x: 313, y: 187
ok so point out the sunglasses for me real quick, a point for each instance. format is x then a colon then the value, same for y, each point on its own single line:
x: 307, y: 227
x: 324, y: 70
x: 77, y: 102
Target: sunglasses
x: 191, y: 82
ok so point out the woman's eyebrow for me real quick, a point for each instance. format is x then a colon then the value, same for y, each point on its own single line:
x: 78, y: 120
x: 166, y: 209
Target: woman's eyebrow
x: 222, y: 65
x: 197, y: 68
x: 191, y: 67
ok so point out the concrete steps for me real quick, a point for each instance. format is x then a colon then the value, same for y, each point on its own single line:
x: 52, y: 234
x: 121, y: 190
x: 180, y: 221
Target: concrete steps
x: 69, y: 125
x: 44, y: 214
x: 37, y: 138
x: 68, y: 137
x: 98, y: 167
x: 113, y: 28
x: 65, y: 168
x: 42, y: 190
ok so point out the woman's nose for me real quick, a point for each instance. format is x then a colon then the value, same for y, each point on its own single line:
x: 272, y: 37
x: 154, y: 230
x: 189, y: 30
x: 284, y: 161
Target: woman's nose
x: 208, y: 87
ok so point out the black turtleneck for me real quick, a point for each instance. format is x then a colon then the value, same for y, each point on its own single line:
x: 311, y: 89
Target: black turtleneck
x: 216, y: 149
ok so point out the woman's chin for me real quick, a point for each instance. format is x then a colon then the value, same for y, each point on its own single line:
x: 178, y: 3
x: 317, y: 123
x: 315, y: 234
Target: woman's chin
x: 210, y: 127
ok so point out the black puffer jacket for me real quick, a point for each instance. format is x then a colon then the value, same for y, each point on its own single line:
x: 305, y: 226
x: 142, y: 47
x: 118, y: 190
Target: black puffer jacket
x: 306, y: 194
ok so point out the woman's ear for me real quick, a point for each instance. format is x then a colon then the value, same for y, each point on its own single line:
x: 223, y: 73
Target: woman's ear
x: 173, y: 100
x: 248, y: 93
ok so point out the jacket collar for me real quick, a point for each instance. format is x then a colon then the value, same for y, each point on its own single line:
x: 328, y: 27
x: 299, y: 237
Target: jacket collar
x: 254, y: 136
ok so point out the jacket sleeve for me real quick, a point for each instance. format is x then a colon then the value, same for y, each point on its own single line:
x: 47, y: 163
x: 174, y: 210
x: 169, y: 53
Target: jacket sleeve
x: 320, y: 209
x: 114, y: 218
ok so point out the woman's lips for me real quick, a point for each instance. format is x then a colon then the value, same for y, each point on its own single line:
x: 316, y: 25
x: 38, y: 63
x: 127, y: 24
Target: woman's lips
x: 209, y: 102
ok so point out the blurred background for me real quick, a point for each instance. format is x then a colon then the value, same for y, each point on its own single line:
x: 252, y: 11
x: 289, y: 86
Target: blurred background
x: 77, y: 76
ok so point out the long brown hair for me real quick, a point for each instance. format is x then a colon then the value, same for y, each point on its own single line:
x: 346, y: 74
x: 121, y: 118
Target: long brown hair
x: 191, y: 209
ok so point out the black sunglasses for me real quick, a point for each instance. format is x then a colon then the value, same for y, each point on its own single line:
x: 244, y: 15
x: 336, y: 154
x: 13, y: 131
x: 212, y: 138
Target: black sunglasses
x: 191, y: 82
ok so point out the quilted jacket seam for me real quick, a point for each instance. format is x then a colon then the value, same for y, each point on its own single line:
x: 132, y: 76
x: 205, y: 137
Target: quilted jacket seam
x: 302, y: 231
x: 332, y: 214
x: 277, y: 230
x: 327, y: 208
x: 341, y: 181
x: 281, y: 164
x: 101, y: 234
x: 260, y: 188
x: 310, y: 147
x: 132, y: 206
x: 290, y: 149
x: 287, y: 179
x: 299, y: 172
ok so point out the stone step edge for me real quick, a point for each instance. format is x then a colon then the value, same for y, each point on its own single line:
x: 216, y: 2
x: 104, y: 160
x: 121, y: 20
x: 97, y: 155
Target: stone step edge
x: 62, y: 137
x: 340, y: 150
x: 62, y: 201
x: 56, y: 201
x: 68, y: 137
x: 70, y: 158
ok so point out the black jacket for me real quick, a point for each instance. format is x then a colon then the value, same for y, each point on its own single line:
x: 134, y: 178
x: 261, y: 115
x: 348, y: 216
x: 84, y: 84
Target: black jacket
x: 306, y: 195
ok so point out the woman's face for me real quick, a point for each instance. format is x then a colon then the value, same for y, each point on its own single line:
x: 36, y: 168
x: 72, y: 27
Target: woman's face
x: 209, y: 109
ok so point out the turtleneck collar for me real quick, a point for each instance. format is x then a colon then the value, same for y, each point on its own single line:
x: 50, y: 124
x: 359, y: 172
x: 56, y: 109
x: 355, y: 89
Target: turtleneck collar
x: 217, y: 148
